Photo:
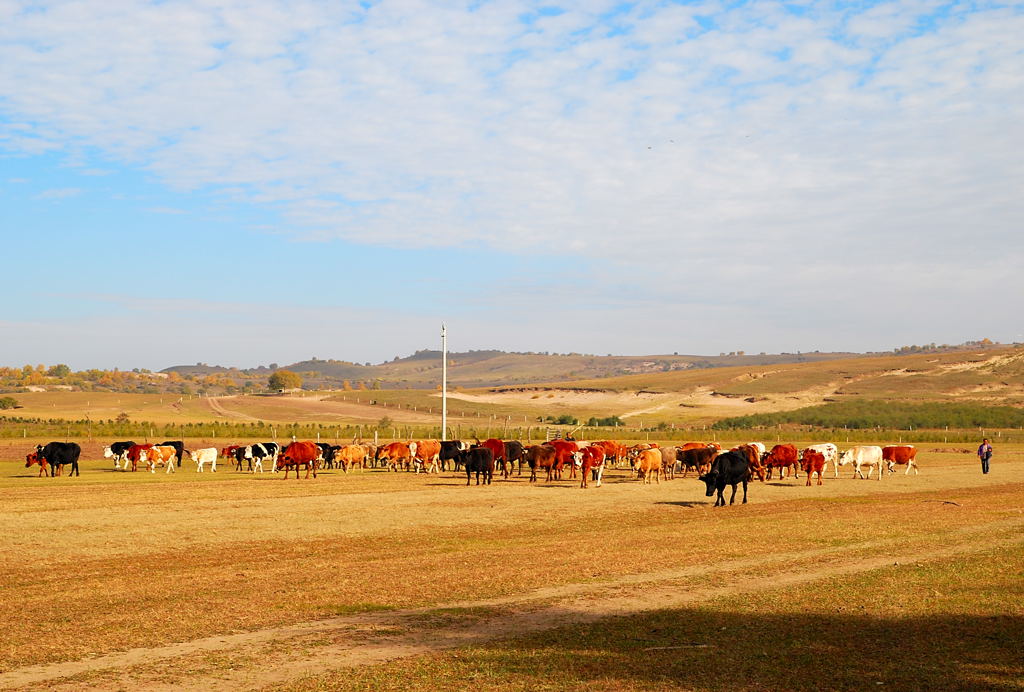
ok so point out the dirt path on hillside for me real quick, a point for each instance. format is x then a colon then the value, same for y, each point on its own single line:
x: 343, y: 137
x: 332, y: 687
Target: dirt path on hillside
x: 219, y: 409
x: 282, y: 654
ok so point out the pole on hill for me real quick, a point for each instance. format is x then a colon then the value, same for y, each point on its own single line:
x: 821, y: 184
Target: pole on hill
x: 444, y: 382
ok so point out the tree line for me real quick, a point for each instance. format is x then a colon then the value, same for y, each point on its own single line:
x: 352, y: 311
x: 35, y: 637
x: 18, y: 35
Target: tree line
x: 892, y: 415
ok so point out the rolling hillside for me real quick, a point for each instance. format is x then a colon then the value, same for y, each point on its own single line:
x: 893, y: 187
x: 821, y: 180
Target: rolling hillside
x: 688, y: 397
x: 422, y: 370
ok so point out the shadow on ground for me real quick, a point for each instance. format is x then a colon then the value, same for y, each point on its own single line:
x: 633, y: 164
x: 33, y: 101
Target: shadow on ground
x: 694, y: 649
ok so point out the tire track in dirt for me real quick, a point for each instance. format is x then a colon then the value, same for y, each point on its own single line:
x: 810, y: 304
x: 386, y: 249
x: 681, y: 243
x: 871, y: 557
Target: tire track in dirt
x: 219, y: 409
x: 373, y: 638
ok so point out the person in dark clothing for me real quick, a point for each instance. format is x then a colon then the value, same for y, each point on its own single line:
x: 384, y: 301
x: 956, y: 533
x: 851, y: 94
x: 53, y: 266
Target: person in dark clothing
x: 985, y: 453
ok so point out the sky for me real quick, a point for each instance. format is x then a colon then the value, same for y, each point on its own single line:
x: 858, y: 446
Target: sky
x: 241, y: 183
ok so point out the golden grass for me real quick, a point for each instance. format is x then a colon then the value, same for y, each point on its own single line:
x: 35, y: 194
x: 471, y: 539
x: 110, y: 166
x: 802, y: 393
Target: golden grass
x: 954, y: 624
x: 132, y: 559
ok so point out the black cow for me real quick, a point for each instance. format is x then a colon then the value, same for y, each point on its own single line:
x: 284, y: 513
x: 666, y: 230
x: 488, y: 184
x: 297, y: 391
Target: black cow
x: 478, y: 460
x: 730, y: 468
x: 179, y: 448
x: 119, y: 452
x: 59, y: 453
x: 243, y: 454
x: 330, y: 458
x: 514, y: 453
x: 257, y: 452
x: 327, y: 452
x: 269, y: 450
x: 450, y: 450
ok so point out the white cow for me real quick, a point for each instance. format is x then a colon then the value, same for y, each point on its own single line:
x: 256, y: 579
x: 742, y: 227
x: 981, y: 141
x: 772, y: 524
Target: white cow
x: 202, y: 456
x: 863, y: 455
x: 831, y: 454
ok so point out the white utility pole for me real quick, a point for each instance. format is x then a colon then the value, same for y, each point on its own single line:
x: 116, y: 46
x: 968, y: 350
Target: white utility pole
x: 444, y: 382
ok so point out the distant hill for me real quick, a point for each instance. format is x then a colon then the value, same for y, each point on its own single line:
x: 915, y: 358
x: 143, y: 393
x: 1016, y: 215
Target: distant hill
x: 493, y: 368
x: 422, y: 370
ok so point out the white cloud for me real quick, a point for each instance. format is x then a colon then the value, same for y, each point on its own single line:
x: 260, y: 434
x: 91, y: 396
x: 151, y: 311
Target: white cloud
x: 664, y: 139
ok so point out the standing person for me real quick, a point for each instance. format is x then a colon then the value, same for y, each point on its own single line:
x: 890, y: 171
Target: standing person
x: 985, y: 453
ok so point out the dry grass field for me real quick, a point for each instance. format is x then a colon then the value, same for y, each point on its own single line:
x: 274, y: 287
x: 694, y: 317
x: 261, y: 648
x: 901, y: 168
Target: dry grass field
x: 378, y: 580
x: 686, y: 397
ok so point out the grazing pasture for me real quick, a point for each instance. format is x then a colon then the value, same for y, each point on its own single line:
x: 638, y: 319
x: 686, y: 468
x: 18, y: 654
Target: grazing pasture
x: 235, y: 580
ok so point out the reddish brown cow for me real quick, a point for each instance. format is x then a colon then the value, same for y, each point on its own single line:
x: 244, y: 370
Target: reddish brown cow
x: 614, y: 452
x: 540, y: 457
x: 497, y: 448
x: 782, y: 457
x: 900, y: 454
x: 427, y: 456
x: 696, y: 459
x: 229, y: 453
x: 813, y: 462
x: 299, y: 454
x: 564, y: 451
x: 397, y: 454
x: 754, y: 463
x: 593, y: 462
x: 701, y: 445
x: 134, y: 452
x: 37, y: 458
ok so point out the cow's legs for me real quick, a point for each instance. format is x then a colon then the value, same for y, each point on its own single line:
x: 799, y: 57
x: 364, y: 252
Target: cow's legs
x: 600, y: 472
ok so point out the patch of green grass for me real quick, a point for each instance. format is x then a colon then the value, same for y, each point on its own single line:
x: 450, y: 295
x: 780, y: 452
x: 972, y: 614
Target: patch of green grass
x: 354, y: 608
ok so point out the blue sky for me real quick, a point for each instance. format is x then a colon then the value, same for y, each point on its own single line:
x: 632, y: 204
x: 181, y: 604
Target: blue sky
x: 270, y: 181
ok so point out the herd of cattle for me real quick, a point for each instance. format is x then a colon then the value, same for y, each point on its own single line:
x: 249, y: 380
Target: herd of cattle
x: 648, y: 461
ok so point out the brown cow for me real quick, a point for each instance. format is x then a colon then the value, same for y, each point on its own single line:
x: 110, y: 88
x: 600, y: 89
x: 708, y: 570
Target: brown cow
x: 297, y: 455
x: 157, y: 455
x: 428, y: 453
x: 614, y: 452
x: 701, y: 445
x: 696, y: 459
x: 754, y: 464
x: 497, y: 448
x: 649, y: 461
x: 593, y: 462
x: 37, y: 458
x: 900, y: 454
x: 134, y: 453
x: 564, y: 454
x: 543, y: 457
x: 813, y: 462
x: 781, y: 457
x: 350, y: 456
x: 396, y: 454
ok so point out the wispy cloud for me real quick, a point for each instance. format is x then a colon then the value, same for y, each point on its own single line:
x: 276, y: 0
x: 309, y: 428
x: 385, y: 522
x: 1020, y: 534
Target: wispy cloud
x: 166, y: 210
x: 817, y: 143
x: 59, y: 193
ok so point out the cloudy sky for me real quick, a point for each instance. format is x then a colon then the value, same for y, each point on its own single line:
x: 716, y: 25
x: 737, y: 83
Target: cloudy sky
x: 252, y: 182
